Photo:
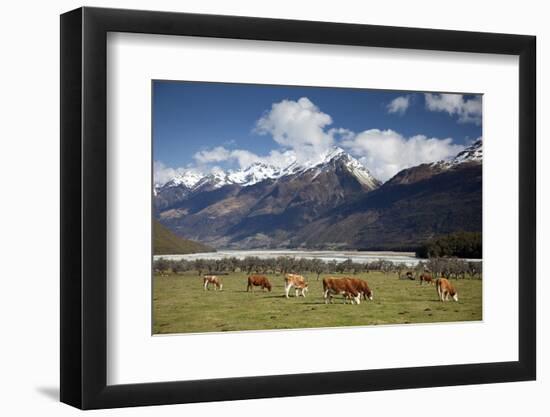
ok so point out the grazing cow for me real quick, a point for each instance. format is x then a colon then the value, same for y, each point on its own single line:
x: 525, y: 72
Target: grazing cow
x: 343, y: 286
x: 427, y: 278
x: 258, y: 281
x: 362, y: 288
x: 445, y: 289
x: 214, y: 280
x: 296, y: 281
x: 410, y: 275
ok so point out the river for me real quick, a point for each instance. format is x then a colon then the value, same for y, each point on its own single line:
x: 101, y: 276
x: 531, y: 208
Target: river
x: 407, y: 258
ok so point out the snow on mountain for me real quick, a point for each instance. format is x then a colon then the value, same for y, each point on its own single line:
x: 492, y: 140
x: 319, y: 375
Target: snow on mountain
x: 260, y: 171
x: 473, y: 153
x: 188, y: 178
x: 255, y: 173
x: 352, y: 165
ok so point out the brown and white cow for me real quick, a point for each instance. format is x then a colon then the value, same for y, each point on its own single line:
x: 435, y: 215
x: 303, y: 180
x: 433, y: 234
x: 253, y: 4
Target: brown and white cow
x: 214, y: 280
x: 427, y: 278
x: 445, y: 289
x: 298, y: 282
x: 343, y: 286
x: 258, y: 281
x: 362, y: 287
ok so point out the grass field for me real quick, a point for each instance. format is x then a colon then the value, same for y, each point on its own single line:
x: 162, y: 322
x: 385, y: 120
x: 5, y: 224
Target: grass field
x: 180, y: 305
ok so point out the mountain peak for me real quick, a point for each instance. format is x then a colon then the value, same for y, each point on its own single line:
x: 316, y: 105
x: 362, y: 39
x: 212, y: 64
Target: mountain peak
x: 337, y: 156
x: 474, y: 152
x: 261, y: 171
x: 335, y: 152
x: 188, y: 178
x: 471, y: 154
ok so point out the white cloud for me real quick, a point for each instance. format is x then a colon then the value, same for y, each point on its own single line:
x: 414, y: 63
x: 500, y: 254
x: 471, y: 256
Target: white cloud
x: 163, y: 173
x: 217, y: 154
x: 399, y: 105
x: 468, y: 111
x: 243, y: 157
x: 303, y: 134
x: 298, y: 125
x: 386, y: 152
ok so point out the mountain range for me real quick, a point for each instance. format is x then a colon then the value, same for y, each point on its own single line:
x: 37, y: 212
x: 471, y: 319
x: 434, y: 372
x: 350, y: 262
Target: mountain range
x: 332, y: 203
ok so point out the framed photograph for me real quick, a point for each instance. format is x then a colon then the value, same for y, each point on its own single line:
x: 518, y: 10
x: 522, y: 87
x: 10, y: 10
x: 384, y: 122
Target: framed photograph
x: 257, y: 208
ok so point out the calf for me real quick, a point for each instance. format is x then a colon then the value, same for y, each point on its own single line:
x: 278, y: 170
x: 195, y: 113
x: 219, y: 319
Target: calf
x: 427, y: 278
x: 296, y: 281
x: 258, y: 281
x: 343, y: 286
x: 445, y: 289
x: 214, y: 280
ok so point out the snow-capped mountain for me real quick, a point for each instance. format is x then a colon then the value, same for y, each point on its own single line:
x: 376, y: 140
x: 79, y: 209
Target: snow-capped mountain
x: 333, y: 202
x: 352, y: 165
x: 261, y: 171
x: 473, y: 153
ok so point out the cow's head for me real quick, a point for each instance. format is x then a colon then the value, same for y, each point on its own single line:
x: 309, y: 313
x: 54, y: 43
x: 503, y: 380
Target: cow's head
x: 370, y: 295
x: 268, y: 286
x: 455, y: 296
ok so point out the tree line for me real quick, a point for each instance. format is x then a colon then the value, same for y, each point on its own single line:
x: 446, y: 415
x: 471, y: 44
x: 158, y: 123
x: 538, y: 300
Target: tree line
x: 459, y: 244
x: 446, y: 267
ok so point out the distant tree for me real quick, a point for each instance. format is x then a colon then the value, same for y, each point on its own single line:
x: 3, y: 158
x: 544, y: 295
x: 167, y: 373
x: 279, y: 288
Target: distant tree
x: 200, y: 266
x: 177, y: 267
x: 161, y: 266
x: 318, y: 266
x: 459, y: 244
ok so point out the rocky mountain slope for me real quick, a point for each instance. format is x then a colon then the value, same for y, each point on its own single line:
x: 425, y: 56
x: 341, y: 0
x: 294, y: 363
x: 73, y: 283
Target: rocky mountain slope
x: 335, y: 203
x: 418, y: 203
x: 224, y: 212
x: 167, y: 243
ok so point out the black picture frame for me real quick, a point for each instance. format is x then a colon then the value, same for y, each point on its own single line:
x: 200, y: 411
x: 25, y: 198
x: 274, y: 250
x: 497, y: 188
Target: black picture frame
x: 84, y: 207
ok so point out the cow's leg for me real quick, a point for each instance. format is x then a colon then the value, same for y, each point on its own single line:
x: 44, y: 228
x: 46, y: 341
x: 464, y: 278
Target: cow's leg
x: 205, y: 285
x: 287, y: 289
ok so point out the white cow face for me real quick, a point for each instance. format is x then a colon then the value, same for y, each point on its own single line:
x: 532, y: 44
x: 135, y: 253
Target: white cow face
x: 455, y: 297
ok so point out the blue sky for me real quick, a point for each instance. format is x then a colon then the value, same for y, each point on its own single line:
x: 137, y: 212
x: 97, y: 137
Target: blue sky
x: 206, y: 126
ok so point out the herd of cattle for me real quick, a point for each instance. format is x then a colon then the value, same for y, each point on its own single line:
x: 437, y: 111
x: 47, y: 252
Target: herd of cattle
x: 352, y: 289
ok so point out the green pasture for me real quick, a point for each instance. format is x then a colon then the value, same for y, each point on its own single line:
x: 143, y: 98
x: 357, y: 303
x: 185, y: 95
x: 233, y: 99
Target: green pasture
x: 180, y: 305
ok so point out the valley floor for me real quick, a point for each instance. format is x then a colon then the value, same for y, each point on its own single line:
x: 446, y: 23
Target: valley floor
x: 180, y: 305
